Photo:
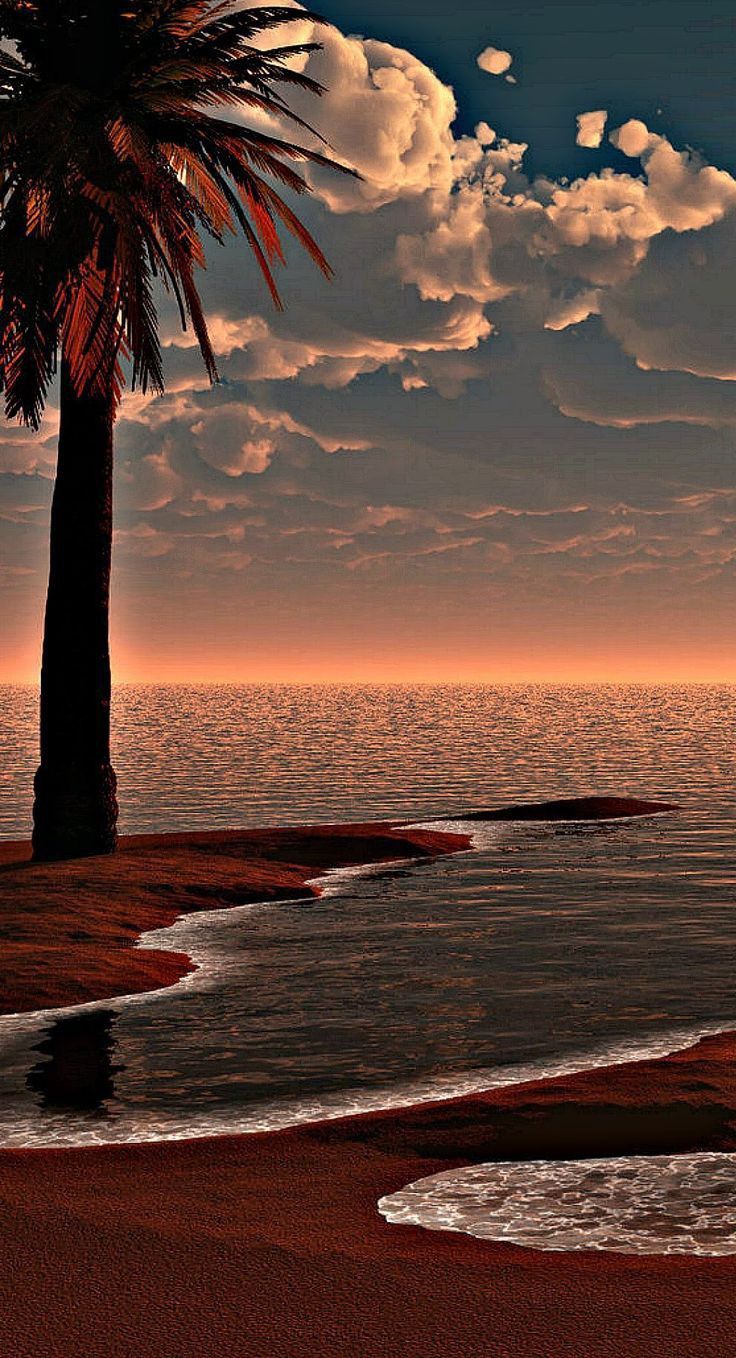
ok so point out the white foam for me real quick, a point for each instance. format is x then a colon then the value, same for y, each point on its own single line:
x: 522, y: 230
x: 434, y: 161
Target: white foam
x: 24, y: 1128
x: 649, y: 1204
x: 201, y: 937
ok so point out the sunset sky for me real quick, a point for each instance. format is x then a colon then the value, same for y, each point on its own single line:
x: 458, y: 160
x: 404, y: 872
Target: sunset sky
x: 500, y: 445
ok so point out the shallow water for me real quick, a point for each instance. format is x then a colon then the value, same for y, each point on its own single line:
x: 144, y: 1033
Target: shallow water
x: 548, y: 948
x: 646, y: 1204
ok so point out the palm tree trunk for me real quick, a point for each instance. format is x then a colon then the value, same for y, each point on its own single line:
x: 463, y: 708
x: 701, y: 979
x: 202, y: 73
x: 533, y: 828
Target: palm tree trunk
x: 75, y: 810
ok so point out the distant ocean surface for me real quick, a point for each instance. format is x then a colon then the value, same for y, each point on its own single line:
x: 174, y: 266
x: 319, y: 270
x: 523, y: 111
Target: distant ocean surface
x: 204, y: 757
x: 549, y: 947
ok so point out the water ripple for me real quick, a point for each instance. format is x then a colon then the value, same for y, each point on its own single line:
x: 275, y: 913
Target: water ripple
x: 647, y: 1204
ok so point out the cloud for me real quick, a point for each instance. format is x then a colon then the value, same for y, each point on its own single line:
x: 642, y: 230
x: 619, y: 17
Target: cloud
x: 24, y: 451
x: 494, y: 60
x: 515, y: 391
x: 561, y: 248
x: 632, y: 138
x: 233, y: 442
x: 150, y: 482
x: 604, y: 386
x: 458, y: 220
x: 591, y: 127
x: 677, y: 312
x: 684, y: 191
x: 387, y: 115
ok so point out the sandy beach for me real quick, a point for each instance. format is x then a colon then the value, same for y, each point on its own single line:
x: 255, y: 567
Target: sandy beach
x: 67, y: 929
x: 368, y: 405
x: 271, y: 1244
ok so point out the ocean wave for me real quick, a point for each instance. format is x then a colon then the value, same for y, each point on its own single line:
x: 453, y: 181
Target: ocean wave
x: 646, y: 1204
x: 23, y: 1127
x: 201, y: 936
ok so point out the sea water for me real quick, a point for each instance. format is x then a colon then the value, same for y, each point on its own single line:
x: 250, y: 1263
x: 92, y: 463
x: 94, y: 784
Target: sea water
x: 548, y: 948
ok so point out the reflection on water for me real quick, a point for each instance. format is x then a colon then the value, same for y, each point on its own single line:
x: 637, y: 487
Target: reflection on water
x: 547, y: 944
x: 190, y: 757
x: 544, y: 949
x: 77, y: 1072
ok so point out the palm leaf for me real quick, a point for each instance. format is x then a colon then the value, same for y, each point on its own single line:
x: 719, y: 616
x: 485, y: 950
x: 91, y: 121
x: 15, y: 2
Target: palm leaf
x: 117, y: 160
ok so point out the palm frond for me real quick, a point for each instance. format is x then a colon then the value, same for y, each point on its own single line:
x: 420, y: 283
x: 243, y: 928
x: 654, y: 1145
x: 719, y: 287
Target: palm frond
x: 118, y: 158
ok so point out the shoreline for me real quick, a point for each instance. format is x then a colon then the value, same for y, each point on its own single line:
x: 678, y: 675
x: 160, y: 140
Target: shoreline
x: 271, y: 1244
x: 69, y: 931
x: 176, y: 960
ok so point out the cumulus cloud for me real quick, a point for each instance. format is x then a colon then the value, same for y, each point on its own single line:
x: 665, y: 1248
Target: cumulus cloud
x: 609, y: 388
x: 686, y: 193
x: 632, y: 138
x: 149, y: 482
x: 436, y: 276
x: 588, y: 326
x: 230, y: 440
x: 591, y: 127
x: 677, y: 312
x: 25, y: 451
x: 484, y: 134
x: 387, y: 116
x: 494, y: 60
x: 561, y: 248
x: 566, y: 311
x: 458, y: 220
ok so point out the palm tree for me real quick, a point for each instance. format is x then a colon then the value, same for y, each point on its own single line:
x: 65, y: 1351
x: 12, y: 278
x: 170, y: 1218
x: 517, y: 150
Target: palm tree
x: 120, y: 152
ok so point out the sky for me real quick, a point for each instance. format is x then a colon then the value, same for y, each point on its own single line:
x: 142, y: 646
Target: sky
x: 500, y: 445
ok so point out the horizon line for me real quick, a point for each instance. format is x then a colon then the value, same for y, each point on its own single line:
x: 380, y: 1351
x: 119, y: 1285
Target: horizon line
x: 407, y: 682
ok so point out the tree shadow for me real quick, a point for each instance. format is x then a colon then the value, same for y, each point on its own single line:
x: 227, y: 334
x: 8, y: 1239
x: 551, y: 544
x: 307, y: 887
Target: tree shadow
x: 77, y: 1073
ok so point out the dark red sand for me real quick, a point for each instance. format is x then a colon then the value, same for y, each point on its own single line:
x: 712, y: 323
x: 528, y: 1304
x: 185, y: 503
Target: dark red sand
x: 271, y: 1246
x: 575, y: 808
x: 67, y: 929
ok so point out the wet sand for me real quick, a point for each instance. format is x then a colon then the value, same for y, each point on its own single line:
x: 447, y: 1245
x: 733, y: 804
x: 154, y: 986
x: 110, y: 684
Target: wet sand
x: 67, y: 930
x: 271, y: 1246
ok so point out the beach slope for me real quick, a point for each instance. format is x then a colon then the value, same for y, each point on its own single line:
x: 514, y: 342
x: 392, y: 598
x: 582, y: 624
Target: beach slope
x: 271, y: 1246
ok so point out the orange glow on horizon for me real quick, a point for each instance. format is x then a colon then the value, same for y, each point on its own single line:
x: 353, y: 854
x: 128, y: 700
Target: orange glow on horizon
x: 316, y: 666
x: 490, y: 648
